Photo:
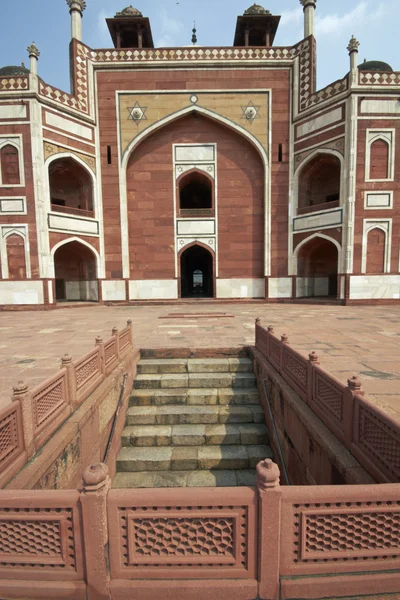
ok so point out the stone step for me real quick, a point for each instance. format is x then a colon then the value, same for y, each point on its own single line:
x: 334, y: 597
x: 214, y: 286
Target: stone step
x: 203, y: 478
x: 194, y: 415
x: 194, y: 380
x: 194, y: 365
x: 194, y: 435
x: 189, y: 458
x: 194, y: 396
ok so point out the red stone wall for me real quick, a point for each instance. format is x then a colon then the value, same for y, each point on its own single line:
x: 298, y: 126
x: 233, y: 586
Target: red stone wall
x: 150, y: 183
x: 278, y: 81
x: 363, y: 186
x: 26, y: 190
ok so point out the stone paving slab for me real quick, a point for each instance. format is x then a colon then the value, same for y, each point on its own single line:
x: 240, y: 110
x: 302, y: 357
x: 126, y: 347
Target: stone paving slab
x: 348, y: 339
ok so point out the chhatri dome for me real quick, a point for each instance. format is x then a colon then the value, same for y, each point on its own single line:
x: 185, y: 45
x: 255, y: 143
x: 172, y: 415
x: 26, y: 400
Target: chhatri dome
x: 129, y: 11
x: 14, y: 70
x: 374, y: 65
x: 256, y: 9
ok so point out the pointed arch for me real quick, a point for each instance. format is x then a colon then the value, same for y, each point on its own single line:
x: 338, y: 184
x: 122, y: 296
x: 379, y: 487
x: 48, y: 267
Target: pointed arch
x: 317, y: 260
x: 297, y: 174
x: 219, y: 119
x: 386, y: 227
x: 10, y: 164
x: 194, y: 258
x: 68, y: 241
x: 75, y: 270
x: 85, y: 167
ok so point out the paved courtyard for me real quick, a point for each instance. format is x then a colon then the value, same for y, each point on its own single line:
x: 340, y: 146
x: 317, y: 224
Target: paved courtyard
x: 363, y: 340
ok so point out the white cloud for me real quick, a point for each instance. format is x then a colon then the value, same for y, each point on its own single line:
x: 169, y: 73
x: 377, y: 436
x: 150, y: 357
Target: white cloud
x: 291, y: 16
x: 169, y: 30
x: 335, y: 23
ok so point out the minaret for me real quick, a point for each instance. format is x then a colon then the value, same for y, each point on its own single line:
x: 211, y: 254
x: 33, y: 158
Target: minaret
x: 76, y: 8
x: 309, y: 11
x: 353, y: 52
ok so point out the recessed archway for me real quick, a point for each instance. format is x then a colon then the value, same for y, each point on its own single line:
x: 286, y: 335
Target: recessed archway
x: 195, y: 193
x: 75, y: 273
x: 317, y: 269
x: 196, y: 273
x: 319, y: 182
x: 71, y: 187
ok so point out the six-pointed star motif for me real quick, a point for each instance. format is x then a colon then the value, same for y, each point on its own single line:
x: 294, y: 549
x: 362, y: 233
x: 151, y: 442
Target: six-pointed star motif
x: 137, y: 113
x: 250, y: 112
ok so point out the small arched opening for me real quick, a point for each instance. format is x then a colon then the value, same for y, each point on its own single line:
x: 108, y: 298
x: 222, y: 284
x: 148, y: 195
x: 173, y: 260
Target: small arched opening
x: 317, y: 269
x: 75, y: 273
x: 71, y: 187
x: 197, y: 277
x: 319, y: 183
x: 195, y: 194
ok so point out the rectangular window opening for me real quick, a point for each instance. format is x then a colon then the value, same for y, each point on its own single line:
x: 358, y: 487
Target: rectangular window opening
x: 109, y: 155
x: 280, y: 152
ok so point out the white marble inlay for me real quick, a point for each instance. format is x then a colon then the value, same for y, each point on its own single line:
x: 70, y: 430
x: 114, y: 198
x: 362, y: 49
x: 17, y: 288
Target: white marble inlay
x: 198, y: 227
x: 12, y: 111
x: 21, y: 292
x: 325, y: 120
x: 193, y: 153
x: 381, y: 107
x: 378, y: 199
x: 240, y: 288
x: 12, y: 206
x: 318, y: 220
x: 153, y: 289
x: 367, y: 287
x: 113, y: 290
x: 279, y: 287
x: 73, y: 224
x: 67, y: 125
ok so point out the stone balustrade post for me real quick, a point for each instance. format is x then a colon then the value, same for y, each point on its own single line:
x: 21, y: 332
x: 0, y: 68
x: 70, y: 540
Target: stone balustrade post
x: 313, y: 359
x: 114, y: 333
x: 284, y: 341
x: 22, y: 394
x: 269, y: 528
x: 129, y: 324
x: 66, y: 363
x: 96, y: 485
x: 100, y: 342
x: 354, y: 388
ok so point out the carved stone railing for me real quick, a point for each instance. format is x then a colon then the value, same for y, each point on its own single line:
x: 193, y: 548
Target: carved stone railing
x: 304, y: 210
x: 34, y: 415
x: 372, y: 436
x: 69, y: 210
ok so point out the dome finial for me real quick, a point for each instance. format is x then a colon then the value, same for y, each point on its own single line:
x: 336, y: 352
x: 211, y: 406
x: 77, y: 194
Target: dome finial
x: 256, y: 9
x: 194, y: 36
x: 129, y: 11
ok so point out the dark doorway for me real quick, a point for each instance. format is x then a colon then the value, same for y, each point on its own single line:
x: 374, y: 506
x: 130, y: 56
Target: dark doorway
x: 196, y: 273
x: 195, y: 192
x: 317, y: 269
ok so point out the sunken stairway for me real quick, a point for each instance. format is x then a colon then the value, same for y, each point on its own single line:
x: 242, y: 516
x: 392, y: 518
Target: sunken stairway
x: 192, y: 423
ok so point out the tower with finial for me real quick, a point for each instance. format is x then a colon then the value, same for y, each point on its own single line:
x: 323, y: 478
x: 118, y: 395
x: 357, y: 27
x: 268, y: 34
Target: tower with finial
x: 130, y: 29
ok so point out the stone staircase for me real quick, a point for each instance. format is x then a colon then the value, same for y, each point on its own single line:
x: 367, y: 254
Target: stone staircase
x: 192, y: 422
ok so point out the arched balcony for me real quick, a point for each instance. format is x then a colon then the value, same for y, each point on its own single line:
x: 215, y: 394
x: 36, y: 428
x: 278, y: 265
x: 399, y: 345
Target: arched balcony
x: 71, y: 188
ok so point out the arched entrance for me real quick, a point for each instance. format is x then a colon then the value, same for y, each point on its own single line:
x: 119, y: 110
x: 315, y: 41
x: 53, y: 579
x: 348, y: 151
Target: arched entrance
x: 196, y: 268
x: 195, y: 194
x: 75, y: 273
x: 317, y: 269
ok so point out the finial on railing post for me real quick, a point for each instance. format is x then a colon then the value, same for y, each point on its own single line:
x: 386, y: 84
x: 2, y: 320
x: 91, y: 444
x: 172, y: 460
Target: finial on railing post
x: 267, y: 475
x: 115, y: 333
x: 94, y: 477
x: 313, y: 358
x: 100, y: 342
x: 355, y: 385
x: 284, y: 338
x: 22, y: 395
x: 258, y: 321
x: 270, y: 329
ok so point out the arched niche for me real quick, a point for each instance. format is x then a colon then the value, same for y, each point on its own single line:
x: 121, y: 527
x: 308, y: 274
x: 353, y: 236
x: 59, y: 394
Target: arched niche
x: 317, y: 267
x: 71, y: 187
x: 75, y: 272
x: 319, y: 183
x: 196, y: 263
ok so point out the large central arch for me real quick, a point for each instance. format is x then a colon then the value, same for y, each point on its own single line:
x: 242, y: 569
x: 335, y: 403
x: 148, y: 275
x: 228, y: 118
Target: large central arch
x: 190, y: 110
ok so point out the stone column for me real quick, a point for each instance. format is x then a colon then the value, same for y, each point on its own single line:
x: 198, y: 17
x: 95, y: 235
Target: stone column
x: 269, y: 528
x: 309, y: 10
x: 34, y: 57
x: 76, y: 8
x: 353, y: 52
x: 93, y: 499
x: 22, y: 394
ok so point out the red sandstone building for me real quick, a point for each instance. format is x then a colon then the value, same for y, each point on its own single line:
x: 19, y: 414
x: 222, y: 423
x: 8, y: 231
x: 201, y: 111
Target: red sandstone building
x: 221, y: 172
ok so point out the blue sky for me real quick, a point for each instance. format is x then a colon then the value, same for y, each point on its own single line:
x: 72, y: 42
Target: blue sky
x: 47, y: 22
